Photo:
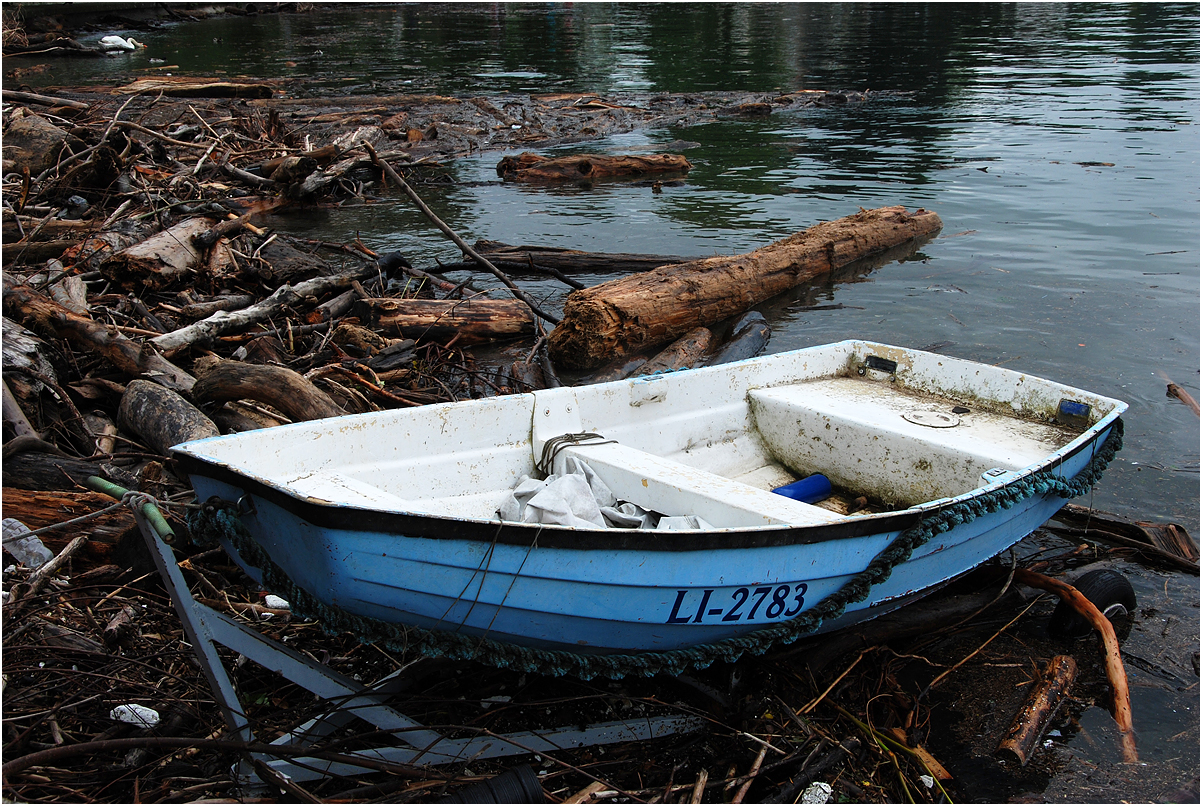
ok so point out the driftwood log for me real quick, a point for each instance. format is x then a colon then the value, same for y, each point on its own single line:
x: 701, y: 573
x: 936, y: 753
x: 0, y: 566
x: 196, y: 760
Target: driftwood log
x: 40, y: 470
x: 283, y: 389
x: 657, y: 306
x: 748, y: 338
x: 471, y: 320
x: 134, y: 359
x: 161, y: 418
x: 568, y: 261
x: 530, y: 167
x: 1041, y: 704
x: 183, y: 87
x: 684, y: 352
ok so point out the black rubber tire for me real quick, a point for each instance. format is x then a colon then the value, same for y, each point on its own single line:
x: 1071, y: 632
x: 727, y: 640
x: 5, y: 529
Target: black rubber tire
x: 1109, y: 591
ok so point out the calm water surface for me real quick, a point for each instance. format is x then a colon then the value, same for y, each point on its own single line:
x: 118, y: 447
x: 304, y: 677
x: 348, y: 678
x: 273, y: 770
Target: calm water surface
x: 1059, y: 144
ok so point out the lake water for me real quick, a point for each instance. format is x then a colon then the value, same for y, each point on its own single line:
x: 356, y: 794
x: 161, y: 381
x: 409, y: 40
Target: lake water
x: 1059, y: 144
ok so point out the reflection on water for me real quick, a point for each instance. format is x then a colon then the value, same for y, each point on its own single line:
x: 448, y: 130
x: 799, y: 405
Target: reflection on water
x: 1059, y: 143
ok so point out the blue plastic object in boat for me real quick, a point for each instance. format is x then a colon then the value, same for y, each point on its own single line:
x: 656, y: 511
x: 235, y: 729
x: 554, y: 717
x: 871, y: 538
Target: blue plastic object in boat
x: 808, y: 490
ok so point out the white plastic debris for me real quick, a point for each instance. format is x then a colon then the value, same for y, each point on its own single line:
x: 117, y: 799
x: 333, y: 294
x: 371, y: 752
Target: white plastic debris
x: 499, y: 698
x: 134, y: 714
x: 276, y: 602
x: 927, y: 781
x: 28, y: 551
x: 816, y: 792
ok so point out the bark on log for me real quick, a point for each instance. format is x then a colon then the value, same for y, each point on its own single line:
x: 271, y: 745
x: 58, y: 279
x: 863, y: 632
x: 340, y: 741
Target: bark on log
x: 279, y: 387
x: 160, y: 259
x: 161, y: 418
x: 132, y: 358
x: 1115, y: 672
x: 28, y: 253
x: 472, y: 320
x: 684, y: 352
x: 529, y: 167
x: 1037, y: 710
x: 282, y: 262
x: 617, y: 317
x: 38, y: 508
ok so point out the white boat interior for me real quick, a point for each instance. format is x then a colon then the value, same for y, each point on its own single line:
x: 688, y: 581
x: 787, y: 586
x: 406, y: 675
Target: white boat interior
x: 900, y: 427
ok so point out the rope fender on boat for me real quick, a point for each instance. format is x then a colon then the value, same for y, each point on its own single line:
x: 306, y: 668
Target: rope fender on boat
x: 220, y: 519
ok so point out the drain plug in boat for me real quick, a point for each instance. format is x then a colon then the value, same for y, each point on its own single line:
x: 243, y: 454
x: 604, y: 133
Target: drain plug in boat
x: 932, y: 419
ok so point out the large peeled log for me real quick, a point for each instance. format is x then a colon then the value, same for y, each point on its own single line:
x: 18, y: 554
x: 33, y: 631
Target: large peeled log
x: 160, y: 417
x: 657, y: 306
x: 284, y: 389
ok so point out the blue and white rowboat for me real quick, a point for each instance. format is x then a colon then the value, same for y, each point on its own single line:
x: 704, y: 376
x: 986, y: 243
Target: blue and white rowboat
x: 393, y: 516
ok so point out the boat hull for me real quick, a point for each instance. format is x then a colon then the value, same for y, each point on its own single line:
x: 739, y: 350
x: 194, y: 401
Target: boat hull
x: 629, y: 591
x: 594, y: 600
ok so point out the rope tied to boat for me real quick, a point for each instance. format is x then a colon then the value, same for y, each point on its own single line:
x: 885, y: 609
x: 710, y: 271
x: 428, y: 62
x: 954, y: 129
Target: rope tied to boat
x: 219, y: 519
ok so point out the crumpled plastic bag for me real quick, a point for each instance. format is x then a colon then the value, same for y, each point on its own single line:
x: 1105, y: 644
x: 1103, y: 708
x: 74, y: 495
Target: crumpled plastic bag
x: 579, y: 498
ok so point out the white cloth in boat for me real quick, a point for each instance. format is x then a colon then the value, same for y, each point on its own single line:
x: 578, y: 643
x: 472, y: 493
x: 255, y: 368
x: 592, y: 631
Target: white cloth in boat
x: 581, y: 499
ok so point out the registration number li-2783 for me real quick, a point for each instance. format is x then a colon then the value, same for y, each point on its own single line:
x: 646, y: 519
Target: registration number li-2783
x: 766, y: 602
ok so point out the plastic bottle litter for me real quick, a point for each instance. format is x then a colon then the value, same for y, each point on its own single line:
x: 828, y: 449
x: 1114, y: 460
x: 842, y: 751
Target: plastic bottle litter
x: 816, y: 792
x: 134, y: 714
x: 29, y: 551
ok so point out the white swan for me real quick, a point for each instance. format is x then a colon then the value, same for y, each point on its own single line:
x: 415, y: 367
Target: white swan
x: 117, y: 43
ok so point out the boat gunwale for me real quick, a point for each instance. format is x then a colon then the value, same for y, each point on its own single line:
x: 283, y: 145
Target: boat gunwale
x: 348, y: 517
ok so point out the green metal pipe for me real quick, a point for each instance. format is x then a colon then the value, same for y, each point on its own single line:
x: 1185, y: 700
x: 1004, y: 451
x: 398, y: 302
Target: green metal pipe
x: 149, y: 511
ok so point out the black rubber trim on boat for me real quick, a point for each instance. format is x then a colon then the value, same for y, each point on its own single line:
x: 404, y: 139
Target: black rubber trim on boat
x: 328, y: 515
x: 334, y: 516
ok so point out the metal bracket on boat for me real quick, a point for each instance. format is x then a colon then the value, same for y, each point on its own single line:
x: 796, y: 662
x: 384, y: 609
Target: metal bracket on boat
x: 997, y: 475
x: 246, y: 505
x: 347, y: 700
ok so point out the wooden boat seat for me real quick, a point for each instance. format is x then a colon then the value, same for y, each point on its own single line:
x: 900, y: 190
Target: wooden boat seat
x: 674, y: 488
